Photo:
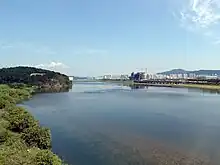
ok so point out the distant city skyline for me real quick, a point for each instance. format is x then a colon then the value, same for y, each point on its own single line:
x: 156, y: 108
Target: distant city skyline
x: 93, y: 38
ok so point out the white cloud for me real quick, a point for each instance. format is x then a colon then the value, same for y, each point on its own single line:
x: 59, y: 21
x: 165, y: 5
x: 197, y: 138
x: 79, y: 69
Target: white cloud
x: 40, y: 66
x: 52, y: 65
x: 201, y: 16
x: 201, y: 13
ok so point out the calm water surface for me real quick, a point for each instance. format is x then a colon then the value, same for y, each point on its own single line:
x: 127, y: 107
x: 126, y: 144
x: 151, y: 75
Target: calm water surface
x: 106, y: 124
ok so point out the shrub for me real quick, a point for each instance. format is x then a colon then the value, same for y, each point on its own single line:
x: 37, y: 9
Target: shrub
x: 3, y: 123
x: 46, y: 157
x: 37, y: 137
x: 16, y: 153
x: 23, y: 94
x: 13, y: 93
x: 10, y: 99
x: 19, y: 119
x: 3, y: 87
x: 11, y: 155
x: 4, y: 134
x: 4, y: 103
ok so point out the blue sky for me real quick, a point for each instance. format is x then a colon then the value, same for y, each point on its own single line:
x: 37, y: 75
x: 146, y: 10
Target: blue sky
x: 96, y: 37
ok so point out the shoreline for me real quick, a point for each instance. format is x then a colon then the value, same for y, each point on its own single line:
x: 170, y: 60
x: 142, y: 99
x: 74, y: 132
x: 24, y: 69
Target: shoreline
x: 21, y: 135
x: 188, y: 86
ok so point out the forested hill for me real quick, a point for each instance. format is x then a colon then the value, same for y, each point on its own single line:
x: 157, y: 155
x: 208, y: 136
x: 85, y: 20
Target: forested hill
x: 33, y: 76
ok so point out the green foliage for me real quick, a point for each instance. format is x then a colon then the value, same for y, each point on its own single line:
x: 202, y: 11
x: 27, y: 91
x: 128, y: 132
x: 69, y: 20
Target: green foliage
x: 22, y: 140
x: 4, y: 134
x: 23, y: 94
x: 14, y: 93
x: 37, y: 137
x: 19, y: 75
x: 46, y: 157
x: 3, y: 123
x: 19, y: 119
x: 10, y: 99
x: 11, y: 96
x: 15, y: 155
x: 4, y: 103
x: 3, y: 87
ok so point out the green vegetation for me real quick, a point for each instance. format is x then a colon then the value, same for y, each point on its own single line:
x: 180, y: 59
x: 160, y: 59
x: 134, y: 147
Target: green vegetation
x: 22, y: 140
x: 34, y: 77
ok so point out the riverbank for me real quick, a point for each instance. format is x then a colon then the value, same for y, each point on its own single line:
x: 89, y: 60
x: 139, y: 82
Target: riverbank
x: 22, y: 139
x: 195, y: 86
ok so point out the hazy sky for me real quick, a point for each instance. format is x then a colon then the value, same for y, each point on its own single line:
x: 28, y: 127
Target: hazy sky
x: 96, y: 37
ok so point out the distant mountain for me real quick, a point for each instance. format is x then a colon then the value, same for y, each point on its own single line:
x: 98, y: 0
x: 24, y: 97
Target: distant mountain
x: 197, y: 72
x: 175, y: 71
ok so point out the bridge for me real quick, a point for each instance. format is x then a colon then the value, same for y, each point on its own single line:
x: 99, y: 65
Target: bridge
x: 179, y: 81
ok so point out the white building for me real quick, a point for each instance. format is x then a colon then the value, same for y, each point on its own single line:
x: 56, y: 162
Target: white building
x: 71, y: 78
x: 107, y: 77
x: 37, y: 74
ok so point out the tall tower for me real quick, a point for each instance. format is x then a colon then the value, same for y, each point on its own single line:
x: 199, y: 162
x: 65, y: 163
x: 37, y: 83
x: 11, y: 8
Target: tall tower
x: 146, y: 70
x: 145, y: 74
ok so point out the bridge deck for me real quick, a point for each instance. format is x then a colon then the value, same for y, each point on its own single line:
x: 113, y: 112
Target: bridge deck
x: 181, y: 81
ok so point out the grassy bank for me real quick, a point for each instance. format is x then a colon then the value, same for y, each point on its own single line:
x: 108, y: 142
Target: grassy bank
x: 22, y: 140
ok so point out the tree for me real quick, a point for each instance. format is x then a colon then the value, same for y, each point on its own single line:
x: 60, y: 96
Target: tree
x: 37, y: 137
x: 19, y: 119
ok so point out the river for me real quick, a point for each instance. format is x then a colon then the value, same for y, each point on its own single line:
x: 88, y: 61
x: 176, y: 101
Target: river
x: 107, y: 124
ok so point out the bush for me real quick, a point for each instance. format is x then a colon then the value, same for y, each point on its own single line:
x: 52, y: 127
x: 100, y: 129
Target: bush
x: 14, y: 155
x: 37, y: 137
x: 46, y: 157
x: 19, y: 119
x: 13, y: 93
x: 23, y: 93
x: 4, y: 103
x: 10, y: 99
x: 3, y: 123
x: 4, y: 134
x: 3, y: 87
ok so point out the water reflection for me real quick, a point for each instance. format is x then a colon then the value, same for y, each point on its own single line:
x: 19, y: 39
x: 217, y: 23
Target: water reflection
x: 53, y: 90
x: 138, y: 86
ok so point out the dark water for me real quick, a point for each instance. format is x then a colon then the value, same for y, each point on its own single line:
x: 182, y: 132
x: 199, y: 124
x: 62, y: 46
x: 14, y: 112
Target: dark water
x: 105, y: 124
